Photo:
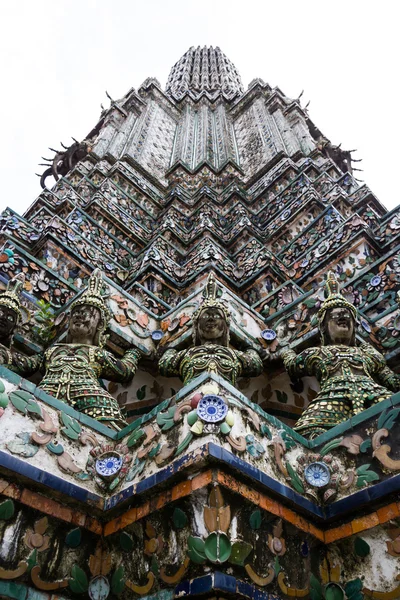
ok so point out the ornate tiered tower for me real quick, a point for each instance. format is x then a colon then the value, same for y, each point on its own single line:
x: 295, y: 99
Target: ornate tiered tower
x: 203, y: 201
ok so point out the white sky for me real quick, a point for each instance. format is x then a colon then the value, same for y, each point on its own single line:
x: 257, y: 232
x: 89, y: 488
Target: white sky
x: 59, y: 57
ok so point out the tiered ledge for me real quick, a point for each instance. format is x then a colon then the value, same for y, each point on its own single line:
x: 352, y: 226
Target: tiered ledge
x: 235, y: 493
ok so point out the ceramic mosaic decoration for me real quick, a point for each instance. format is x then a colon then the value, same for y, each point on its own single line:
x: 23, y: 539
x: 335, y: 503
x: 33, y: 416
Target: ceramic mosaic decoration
x: 199, y: 342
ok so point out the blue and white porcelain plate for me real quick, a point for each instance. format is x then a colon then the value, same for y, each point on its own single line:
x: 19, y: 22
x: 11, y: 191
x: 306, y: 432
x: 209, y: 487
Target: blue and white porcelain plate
x: 157, y: 335
x: 212, y: 409
x: 269, y: 335
x: 108, y: 465
x: 317, y: 474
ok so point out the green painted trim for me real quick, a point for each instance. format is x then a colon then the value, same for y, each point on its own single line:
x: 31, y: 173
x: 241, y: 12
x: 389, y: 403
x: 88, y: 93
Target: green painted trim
x: 54, y: 403
x: 340, y: 429
x: 19, y: 591
x: 162, y: 595
x: 9, y: 589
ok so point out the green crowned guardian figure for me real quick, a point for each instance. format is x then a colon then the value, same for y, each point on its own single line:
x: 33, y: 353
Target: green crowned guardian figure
x: 10, y: 316
x: 72, y: 369
x: 352, y: 377
x: 211, y: 351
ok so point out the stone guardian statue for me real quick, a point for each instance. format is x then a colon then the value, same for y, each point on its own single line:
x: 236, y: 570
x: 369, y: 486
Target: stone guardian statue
x: 211, y: 351
x: 72, y: 369
x: 352, y: 378
x: 10, y: 316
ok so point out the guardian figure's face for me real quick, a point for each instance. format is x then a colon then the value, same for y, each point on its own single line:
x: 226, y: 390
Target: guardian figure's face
x: 8, y: 322
x: 339, y: 326
x: 211, y: 325
x: 83, y: 324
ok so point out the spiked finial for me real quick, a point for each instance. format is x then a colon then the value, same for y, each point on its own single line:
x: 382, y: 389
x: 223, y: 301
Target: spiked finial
x: 331, y: 285
x: 334, y: 298
x: 211, y: 290
x: 93, y: 296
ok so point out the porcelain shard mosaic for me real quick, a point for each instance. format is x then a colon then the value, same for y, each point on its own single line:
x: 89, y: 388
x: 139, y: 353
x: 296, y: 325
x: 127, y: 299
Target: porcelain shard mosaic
x: 199, y: 357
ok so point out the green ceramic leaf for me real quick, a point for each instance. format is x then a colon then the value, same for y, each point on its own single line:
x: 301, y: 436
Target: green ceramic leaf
x: 55, y: 448
x: 70, y: 422
x: 333, y: 592
x: 386, y: 420
x: 282, y: 396
x: 196, y: 549
x: 353, y: 589
x: 71, y: 428
x: 118, y: 580
x: 126, y: 541
x: 365, y: 475
x: 361, y: 547
x: 217, y: 547
x: 154, y: 451
x: 166, y: 419
x: 31, y: 560
x: 73, y: 538
x: 192, y: 417
x: 365, y: 445
x: 2, y: 387
x: 19, y: 400
x: 316, y: 592
x: 141, y: 392
x: 295, y: 479
x: 7, y: 509
x: 154, y: 566
x: 23, y: 401
x: 196, y: 557
x: 136, y: 469
x: 197, y: 543
x: 265, y: 430
x: 79, y: 581
x: 310, y: 302
x: 168, y: 425
x: 277, y: 566
x: 33, y: 407
x: 3, y: 398
x: 184, y: 444
x: 330, y: 446
x: 114, y: 483
x: 224, y: 428
x: 134, y: 438
x: 179, y: 518
x: 289, y: 441
x: 240, y: 551
x: 21, y: 445
x: 381, y: 419
x: 255, y: 519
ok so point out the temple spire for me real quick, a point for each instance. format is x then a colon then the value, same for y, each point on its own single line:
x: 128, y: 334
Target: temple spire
x: 202, y: 70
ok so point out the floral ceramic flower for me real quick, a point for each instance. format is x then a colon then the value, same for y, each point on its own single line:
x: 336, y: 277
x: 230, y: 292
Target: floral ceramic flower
x: 352, y: 295
x: 35, y: 539
x: 376, y: 283
x: 395, y: 222
x: 38, y: 282
x: 276, y: 542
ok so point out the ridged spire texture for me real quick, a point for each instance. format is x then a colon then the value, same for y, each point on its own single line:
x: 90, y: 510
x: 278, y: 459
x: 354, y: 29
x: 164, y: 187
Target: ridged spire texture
x: 204, y: 70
